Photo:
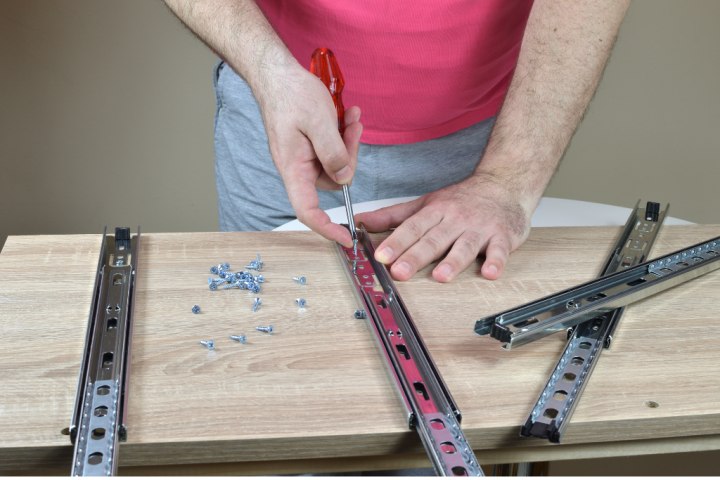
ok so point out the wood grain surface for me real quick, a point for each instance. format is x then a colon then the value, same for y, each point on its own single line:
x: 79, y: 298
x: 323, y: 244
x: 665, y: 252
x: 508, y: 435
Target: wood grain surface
x: 317, y: 388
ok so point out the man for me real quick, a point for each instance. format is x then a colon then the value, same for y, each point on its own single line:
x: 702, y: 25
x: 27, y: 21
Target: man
x: 469, y: 104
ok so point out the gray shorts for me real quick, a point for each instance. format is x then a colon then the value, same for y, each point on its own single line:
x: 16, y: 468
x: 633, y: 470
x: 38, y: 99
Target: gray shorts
x: 251, y: 194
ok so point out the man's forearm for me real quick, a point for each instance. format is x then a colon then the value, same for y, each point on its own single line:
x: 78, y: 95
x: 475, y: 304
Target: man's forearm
x: 297, y: 109
x: 238, y: 32
x: 564, y: 51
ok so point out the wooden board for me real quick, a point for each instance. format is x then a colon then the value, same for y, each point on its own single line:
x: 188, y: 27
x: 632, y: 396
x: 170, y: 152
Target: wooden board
x: 317, y: 388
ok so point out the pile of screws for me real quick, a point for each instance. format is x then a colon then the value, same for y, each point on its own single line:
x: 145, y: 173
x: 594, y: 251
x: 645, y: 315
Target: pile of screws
x: 242, y: 280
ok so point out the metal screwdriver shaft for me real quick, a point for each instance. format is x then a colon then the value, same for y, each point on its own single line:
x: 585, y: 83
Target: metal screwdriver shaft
x: 351, y: 220
x: 324, y: 64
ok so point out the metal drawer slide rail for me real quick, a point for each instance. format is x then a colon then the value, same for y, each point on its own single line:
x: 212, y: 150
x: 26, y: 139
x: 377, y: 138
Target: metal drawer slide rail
x: 553, y: 409
x: 430, y: 409
x: 575, y: 305
x: 98, y: 421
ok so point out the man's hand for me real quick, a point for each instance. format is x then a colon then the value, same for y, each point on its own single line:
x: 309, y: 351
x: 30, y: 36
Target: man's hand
x: 564, y: 50
x: 301, y: 123
x: 458, y: 222
x: 297, y: 108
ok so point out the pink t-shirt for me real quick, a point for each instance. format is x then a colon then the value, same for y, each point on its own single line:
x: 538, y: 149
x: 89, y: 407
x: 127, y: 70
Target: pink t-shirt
x: 418, y: 69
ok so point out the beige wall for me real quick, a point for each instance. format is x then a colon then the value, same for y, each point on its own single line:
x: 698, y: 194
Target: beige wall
x: 106, y: 118
x: 653, y: 130
x: 107, y: 108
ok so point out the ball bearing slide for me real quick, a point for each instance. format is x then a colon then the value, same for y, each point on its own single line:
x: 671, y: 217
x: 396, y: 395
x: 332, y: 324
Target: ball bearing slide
x: 551, y: 413
x: 570, y: 307
x: 429, y: 407
x: 98, y: 422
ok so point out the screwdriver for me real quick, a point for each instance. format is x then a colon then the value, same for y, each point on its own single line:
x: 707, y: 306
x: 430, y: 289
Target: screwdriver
x: 324, y: 64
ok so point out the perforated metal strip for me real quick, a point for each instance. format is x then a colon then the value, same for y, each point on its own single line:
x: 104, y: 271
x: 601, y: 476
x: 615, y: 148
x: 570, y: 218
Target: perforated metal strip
x: 552, y: 411
x: 98, y: 421
x: 429, y: 405
x: 575, y: 305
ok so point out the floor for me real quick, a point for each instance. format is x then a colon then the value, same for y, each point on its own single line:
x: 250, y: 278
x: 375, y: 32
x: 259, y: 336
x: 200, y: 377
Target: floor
x: 676, y: 464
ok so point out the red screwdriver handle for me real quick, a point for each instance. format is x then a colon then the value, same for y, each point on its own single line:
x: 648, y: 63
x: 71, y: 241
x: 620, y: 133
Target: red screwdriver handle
x: 324, y: 64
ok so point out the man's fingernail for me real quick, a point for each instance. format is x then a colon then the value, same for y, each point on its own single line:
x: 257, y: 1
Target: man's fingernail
x: 491, y: 270
x: 343, y: 174
x: 384, y: 255
x: 445, y: 270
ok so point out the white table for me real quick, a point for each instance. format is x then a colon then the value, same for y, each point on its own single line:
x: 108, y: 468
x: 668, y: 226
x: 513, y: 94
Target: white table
x: 551, y: 212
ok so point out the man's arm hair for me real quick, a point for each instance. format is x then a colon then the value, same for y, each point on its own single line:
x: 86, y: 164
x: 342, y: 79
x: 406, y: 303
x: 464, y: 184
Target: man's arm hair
x: 238, y: 32
x: 565, y: 48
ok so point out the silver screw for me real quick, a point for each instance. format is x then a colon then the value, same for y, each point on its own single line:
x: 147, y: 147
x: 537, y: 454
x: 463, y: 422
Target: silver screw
x: 216, y: 269
x: 256, y: 304
x: 256, y: 264
x: 360, y: 314
x: 301, y: 303
x: 196, y: 309
x: 210, y: 344
x: 239, y: 338
x: 267, y: 329
x: 300, y: 280
x: 244, y: 276
x: 214, y: 282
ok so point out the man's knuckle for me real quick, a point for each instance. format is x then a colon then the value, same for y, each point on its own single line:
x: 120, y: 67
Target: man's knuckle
x: 413, y: 228
x: 411, y: 258
x: 433, y: 244
x: 469, y: 244
x: 454, y: 261
x: 501, y: 244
